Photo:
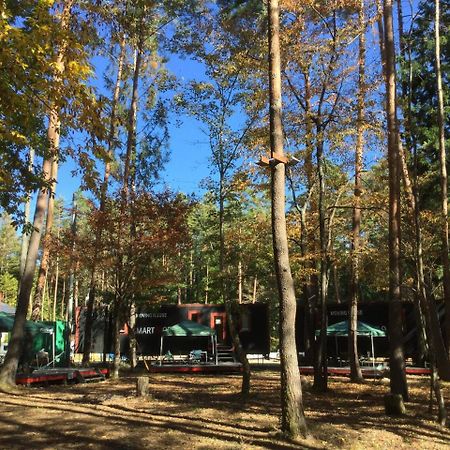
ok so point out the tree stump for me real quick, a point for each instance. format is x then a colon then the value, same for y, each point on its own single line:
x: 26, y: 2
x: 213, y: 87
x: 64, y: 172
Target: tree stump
x: 393, y: 405
x: 142, y: 387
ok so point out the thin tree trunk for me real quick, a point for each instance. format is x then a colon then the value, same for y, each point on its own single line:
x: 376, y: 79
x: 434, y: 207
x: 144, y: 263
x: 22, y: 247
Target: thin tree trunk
x: 55, y: 290
x: 207, y: 283
x: 308, y: 240
x: 321, y: 366
x: 443, y: 173
x: 116, y: 336
x: 398, y: 384
x: 104, y: 189
x: 45, y: 259
x: 44, y: 292
x: 293, y: 421
x: 191, y: 276
x: 436, y: 388
x: 63, y: 301
x: 71, y: 282
x: 239, y: 281
x: 412, y: 197
x: 353, y: 354
x: 15, y: 346
x: 132, y: 335
x: 238, y: 349
x: 26, y: 236
x: 255, y: 285
x: 129, y: 181
x: 230, y: 311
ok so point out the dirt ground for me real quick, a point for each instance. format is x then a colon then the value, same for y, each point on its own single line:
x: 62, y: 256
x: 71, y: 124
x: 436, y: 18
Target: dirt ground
x: 206, y: 412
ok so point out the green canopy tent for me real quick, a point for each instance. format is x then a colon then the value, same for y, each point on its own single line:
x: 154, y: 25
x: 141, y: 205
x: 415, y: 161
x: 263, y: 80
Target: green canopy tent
x: 50, y: 336
x: 362, y: 329
x: 188, y: 328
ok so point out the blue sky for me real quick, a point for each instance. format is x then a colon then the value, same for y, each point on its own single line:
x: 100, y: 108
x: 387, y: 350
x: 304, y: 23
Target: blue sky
x: 189, y: 150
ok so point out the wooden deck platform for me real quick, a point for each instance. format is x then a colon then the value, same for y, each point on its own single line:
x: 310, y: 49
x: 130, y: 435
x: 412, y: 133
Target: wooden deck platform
x: 62, y: 375
x: 195, y: 368
x: 367, y: 372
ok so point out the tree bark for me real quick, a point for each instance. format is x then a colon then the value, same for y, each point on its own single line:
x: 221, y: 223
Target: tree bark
x: 132, y: 335
x: 353, y: 354
x: 398, y: 384
x: 142, y: 386
x: 55, y: 290
x: 26, y: 236
x: 116, y: 340
x: 104, y: 189
x: 321, y: 366
x: 45, y: 259
x: 443, y: 174
x: 293, y: 421
x: 15, y: 346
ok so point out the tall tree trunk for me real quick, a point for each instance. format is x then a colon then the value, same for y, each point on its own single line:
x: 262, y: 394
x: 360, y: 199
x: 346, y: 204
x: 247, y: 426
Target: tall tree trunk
x: 44, y: 292
x: 238, y: 349
x: 412, y: 197
x: 130, y: 181
x: 132, y: 336
x: 353, y: 354
x: 71, y: 282
x: 15, y: 346
x: 63, y: 300
x: 293, y: 421
x: 321, y: 366
x: 26, y: 236
x: 45, y: 259
x: 207, y: 283
x: 230, y: 310
x: 308, y: 240
x: 104, y: 189
x: 55, y: 290
x: 239, y: 281
x: 443, y: 174
x: 129, y: 170
x: 398, y: 384
x: 116, y: 337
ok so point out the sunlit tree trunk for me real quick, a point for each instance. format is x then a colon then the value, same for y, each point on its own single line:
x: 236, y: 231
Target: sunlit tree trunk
x: 293, y: 421
x: 104, y: 189
x: 239, y: 281
x: 15, y: 346
x: 320, y: 363
x: 443, y: 173
x: 36, y: 312
x: 129, y: 182
x: 55, y: 289
x: 398, y: 385
x: 116, y: 341
x: 353, y: 354
x: 26, y: 236
x: 307, y: 239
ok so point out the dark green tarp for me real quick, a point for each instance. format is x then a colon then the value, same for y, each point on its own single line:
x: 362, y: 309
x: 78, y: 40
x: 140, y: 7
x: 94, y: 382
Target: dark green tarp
x: 39, y: 336
x: 188, y: 328
x: 363, y: 329
x: 7, y: 322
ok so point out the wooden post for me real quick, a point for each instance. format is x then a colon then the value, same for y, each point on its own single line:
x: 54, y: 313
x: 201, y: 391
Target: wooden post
x: 142, y: 386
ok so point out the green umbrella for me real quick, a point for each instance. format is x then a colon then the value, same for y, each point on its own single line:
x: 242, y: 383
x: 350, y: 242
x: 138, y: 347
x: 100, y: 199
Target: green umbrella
x: 190, y: 329
x: 362, y: 329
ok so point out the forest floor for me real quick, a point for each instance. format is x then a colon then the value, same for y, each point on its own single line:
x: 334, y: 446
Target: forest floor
x: 206, y: 412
